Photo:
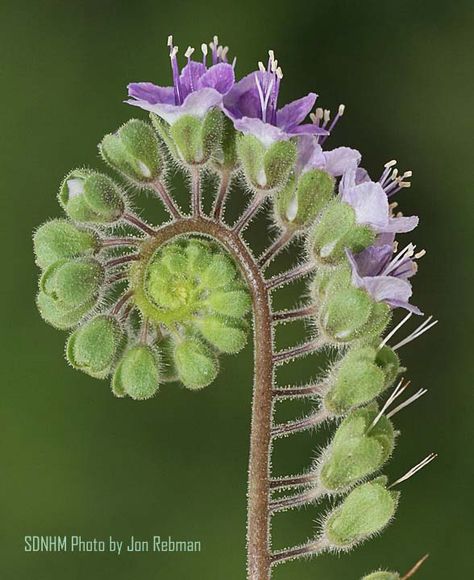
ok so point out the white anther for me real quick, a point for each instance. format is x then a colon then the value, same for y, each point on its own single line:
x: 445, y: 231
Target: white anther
x: 271, y: 54
x: 405, y: 184
x: 407, y: 174
x: 174, y: 52
x: 189, y: 51
x: 394, y: 174
x: 219, y: 51
x: 224, y: 51
x: 415, y: 469
x: 327, y: 115
x: 319, y: 113
x: 216, y: 41
x: 341, y: 110
x: 261, y: 66
x: 234, y: 62
x: 170, y: 40
x: 204, y: 49
x: 279, y: 73
x: 393, y: 205
x: 395, y: 246
x: 420, y: 254
x: 390, y: 163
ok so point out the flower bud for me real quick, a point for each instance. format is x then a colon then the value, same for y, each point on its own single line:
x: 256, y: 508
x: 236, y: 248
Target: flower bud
x: 225, y: 158
x: 234, y: 303
x: 137, y: 373
x: 364, y: 512
x: 382, y: 575
x: 300, y: 201
x: 72, y: 283
x: 91, y: 197
x: 94, y: 346
x: 266, y: 169
x: 224, y: 334
x: 134, y: 150
x: 59, y: 239
x: 360, y: 376
x: 61, y: 318
x: 357, y: 450
x: 337, y: 231
x: 196, y: 364
x: 196, y: 139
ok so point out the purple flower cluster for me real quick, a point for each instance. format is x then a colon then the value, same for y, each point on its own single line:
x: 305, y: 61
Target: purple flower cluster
x: 252, y: 105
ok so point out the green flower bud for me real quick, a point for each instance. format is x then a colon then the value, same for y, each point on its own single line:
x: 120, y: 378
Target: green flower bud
x: 72, y: 283
x: 91, y: 197
x: 225, y: 157
x: 337, y: 230
x: 266, y: 169
x: 300, y: 201
x: 382, y: 575
x: 357, y: 450
x: 134, y: 151
x: 137, y: 373
x: 93, y: 348
x: 58, y: 239
x: 196, y: 364
x: 361, y: 375
x: 61, y: 318
x: 364, y: 512
x: 224, y: 334
x: 196, y: 139
x: 234, y: 303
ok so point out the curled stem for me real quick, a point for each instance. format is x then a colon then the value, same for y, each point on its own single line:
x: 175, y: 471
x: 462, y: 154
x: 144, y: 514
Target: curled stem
x: 122, y: 301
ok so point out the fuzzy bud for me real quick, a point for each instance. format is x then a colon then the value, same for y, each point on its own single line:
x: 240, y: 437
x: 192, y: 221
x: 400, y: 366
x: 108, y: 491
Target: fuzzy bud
x: 72, y: 283
x: 61, y: 318
x: 360, y: 376
x: 59, y: 239
x: 94, y: 346
x: 266, y: 169
x: 300, y: 201
x: 137, y: 373
x: 91, y: 197
x: 337, y: 231
x: 363, y: 513
x: 225, y: 158
x: 357, y: 450
x: 134, y: 151
x: 195, y: 139
x: 195, y: 363
x: 224, y: 334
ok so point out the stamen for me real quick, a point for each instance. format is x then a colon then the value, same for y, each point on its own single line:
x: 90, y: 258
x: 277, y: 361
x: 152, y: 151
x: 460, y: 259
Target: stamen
x: 420, y: 254
x: 409, y: 401
x: 399, y: 389
x: 175, y: 71
x: 404, y: 254
x: 204, y: 53
x: 340, y: 113
x: 326, y: 117
x: 234, y: 62
x: 421, y: 329
x: 415, y: 469
x: 224, y: 52
x: 170, y: 41
x: 386, y: 171
x: 279, y: 73
x: 189, y: 52
x: 394, y: 331
x: 261, y: 66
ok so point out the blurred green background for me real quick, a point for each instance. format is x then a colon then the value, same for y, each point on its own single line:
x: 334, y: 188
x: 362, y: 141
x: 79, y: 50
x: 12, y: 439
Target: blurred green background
x: 77, y: 461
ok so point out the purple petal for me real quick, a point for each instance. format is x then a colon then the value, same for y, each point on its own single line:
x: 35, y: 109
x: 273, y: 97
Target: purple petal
x: 295, y: 112
x: 401, y: 224
x: 373, y: 260
x: 189, y: 77
x: 243, y: 100
x: 151, y: 93
x: 307, y: 129
x: 339, y: 160
x: 370, y: 204
x: 406, y: 305
x: 219, y: 77
x: 388, y: 289
x: 310, y: 154
x: 268, y: 134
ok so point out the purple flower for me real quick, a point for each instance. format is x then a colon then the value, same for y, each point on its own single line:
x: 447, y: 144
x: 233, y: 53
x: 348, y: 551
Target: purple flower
x: 370, y: 203
x: 196, y: 88
x: 336, y: 162
x: 252, y: 104
x: 385, y: 277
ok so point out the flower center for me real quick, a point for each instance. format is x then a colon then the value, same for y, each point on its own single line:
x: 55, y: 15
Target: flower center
x: 268, y: 87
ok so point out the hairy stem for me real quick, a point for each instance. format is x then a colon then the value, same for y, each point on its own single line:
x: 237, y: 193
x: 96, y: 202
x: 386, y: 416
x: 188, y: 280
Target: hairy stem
x: 196, y: 191
x: 315, y: 547
x: 308, y: 422
x: 287, y: 315
x: 133, y: 220
x: 166, y: 198
x: 293, y: 392
x: 222, y: 195
x: 296, y: 481
x: 297, y: 351
x: 117, y: 242
x: 290, y: 275
x: 295, y: 500
x: 249, y: 213
x: 121, y: 260
x: 275, y: 248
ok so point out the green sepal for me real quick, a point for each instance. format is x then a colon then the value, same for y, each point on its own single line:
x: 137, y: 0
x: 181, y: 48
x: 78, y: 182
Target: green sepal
x: 345, y: 313
x: 163, y: 130
x: 62, y: 319
x: 134, y: 150
x: 300, y: 201
x: 59, y: 239
x: 363, y: 513
x: 225, y: 157
x: 93, y: 348
x: 72, y: 283
x: 337, y: 231
x: 195, y: 138
x: 90, y: 197
x: 137, y: 373
x: 357, y: 450
x: 278, y: 162
x: 225, y: 334
x: 196, y: 364
x: 233, y: 303
x: 382, y: 575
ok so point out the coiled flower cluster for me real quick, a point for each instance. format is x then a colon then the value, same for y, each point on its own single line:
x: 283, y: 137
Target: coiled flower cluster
x: 148, y: 305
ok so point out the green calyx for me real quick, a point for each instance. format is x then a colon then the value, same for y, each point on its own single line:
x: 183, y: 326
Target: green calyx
x: 360, y: 376
x: 348, y: 313
x: 93, y: 348
x: 59, y: 239
x: 71, y: 284
x: 61, y: 317
x: 91, y: 197
x: 266, y: 168
x: 363, y: 513
x: 134, y: 150
x: 382, y: 575
x: 336, y: 231
x: 298, y: 204
x: 192, y: 140
x: 358, y: 449
x: 196, y: 364
x: 137, y: 373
